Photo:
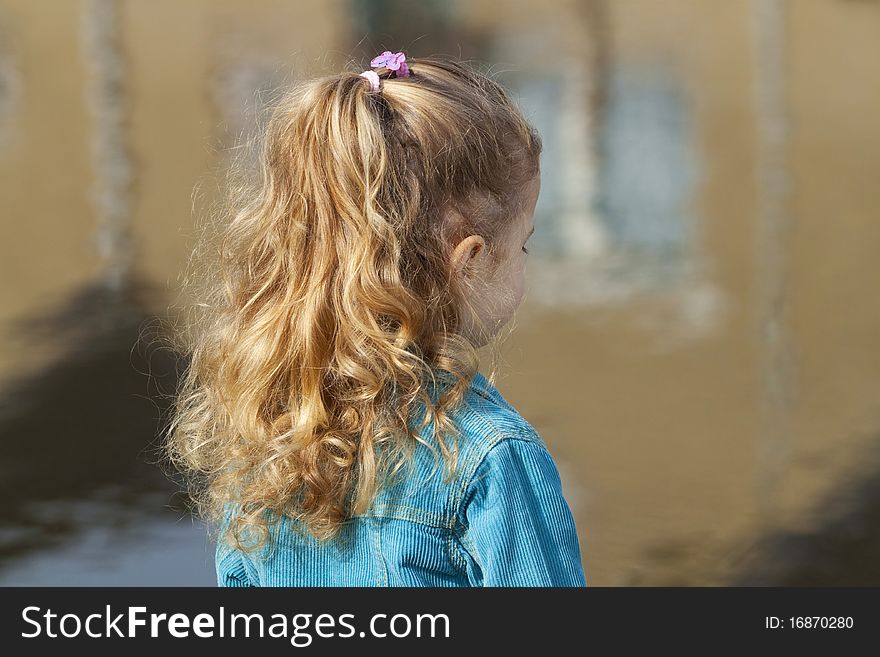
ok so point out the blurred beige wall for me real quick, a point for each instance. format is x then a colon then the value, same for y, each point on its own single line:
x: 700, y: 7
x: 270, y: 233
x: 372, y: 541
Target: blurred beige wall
x: 677, y: 446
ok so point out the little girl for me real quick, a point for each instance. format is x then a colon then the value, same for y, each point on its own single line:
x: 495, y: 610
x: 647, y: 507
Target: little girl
x: 333, y: 368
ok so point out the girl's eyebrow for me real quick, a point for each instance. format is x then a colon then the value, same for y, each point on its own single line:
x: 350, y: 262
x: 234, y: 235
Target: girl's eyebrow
x: 530, y: 232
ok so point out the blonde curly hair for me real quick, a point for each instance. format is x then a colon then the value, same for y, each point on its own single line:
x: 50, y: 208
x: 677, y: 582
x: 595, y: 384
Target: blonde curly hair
x: 326, y: 311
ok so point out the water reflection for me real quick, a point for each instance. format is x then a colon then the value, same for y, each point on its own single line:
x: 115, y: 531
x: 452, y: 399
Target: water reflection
x: 132, y: 543
x: 838, y: 548
x: 84, y: 497
x: 687, y: 277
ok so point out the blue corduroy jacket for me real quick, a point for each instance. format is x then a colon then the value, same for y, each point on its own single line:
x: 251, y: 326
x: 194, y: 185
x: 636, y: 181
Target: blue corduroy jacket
x: 502, y: 522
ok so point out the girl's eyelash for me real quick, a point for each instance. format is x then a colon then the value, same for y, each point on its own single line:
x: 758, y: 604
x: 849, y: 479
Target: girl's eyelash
x: 525, y: 250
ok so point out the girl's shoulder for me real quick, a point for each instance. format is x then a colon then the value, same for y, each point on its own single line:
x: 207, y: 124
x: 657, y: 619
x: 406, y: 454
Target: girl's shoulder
x: 491, y: 431
x: 492, y: 418
x: 497, y: 439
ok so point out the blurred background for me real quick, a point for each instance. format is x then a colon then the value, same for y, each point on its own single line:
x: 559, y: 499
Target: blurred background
x: 699, y: 340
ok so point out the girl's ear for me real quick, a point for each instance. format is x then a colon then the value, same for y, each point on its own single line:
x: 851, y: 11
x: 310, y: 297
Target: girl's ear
x: 467, y: 256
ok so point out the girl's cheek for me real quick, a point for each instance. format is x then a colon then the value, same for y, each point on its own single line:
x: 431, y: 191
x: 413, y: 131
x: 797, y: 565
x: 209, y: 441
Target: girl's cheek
x: 521, y: 288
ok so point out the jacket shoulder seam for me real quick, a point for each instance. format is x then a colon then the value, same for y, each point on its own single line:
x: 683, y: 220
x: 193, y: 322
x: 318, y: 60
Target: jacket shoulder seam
x: 523, y: 434
x: 458, y: 537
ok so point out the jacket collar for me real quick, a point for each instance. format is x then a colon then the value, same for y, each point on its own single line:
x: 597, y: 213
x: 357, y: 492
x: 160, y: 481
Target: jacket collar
x: 486, y: 389
x: 481, y: 386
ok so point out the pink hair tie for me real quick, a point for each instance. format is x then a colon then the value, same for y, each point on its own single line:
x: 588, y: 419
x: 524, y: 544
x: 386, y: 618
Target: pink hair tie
x: 373, y: 77
x: 393, y: 61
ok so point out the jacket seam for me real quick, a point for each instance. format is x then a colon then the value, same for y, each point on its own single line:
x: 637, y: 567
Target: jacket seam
x: 413, y: 514
x: 458, y: 560
x: 526, y: 433
x: 461, y: 543
x: 457, y: 533
x: 473, y: 464
x: 477, y: 456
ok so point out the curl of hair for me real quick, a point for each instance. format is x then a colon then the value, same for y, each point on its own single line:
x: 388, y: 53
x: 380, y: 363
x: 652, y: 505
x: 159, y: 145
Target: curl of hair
x: 325, y: 308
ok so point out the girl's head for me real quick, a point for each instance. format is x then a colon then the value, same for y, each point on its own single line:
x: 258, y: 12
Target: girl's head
x: 433, y: 175
x: 381, y: 244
